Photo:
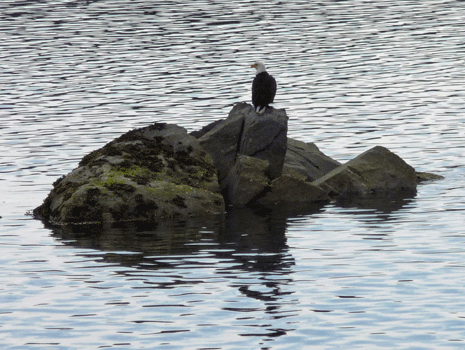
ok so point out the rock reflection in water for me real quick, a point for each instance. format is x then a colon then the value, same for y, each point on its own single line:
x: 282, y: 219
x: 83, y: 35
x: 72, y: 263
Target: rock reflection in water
x: 238, y: 234
x: 243, y: 230
x: 376, y: 213
x: 239, y: 242
x: 385, y: 205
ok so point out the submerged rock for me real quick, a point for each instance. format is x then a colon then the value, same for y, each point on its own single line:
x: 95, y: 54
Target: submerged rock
x: 146, y: 174
x: 424, y: 177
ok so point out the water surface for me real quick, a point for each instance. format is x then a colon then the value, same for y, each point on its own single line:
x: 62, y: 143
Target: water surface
x: 383, y: 274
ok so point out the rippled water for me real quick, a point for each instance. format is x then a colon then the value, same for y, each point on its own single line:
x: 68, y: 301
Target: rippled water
x: 351, y: 74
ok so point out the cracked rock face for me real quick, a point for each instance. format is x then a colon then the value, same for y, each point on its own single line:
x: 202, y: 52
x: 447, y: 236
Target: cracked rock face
x: 146, y: 174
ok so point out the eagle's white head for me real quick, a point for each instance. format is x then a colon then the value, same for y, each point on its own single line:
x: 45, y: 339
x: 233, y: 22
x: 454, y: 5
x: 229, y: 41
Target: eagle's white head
x: 259, y: 66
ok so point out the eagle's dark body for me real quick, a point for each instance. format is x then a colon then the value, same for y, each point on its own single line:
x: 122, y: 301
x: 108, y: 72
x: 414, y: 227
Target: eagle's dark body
x: 263, y: 91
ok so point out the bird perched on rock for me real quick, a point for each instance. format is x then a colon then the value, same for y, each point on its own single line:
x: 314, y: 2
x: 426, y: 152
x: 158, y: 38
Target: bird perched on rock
x: 263, y: 88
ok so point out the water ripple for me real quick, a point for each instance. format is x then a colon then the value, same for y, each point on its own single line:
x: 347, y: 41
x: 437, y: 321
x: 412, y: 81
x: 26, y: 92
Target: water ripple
x: 368, y: 275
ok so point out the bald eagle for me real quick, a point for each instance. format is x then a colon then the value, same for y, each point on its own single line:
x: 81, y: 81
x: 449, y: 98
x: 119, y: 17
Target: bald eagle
x: 263, y: 88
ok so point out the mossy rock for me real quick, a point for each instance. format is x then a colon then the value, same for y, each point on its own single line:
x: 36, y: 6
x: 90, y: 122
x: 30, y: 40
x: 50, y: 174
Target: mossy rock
x: 146, y: 174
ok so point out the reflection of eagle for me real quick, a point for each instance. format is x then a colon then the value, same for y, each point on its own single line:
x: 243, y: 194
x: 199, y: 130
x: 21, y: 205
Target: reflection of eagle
x: 263, y: 88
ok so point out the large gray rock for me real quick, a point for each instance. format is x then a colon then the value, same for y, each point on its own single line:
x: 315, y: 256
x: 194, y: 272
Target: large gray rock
x: 307, y: 161
x: 265, y: 137
x: 377, y: 171
x: 245, y: 132
x: 223, y: 140
x: 146, y: 174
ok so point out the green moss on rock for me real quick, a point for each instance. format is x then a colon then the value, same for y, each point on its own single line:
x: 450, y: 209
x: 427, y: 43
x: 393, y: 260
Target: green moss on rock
x: 145, y: 174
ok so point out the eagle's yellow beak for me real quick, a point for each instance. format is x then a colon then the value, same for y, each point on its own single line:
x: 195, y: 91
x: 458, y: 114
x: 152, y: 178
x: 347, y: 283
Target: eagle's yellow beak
x: 253, y: 66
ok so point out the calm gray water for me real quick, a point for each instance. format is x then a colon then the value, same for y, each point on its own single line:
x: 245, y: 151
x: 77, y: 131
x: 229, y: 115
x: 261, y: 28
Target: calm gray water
x: 351, y: 75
